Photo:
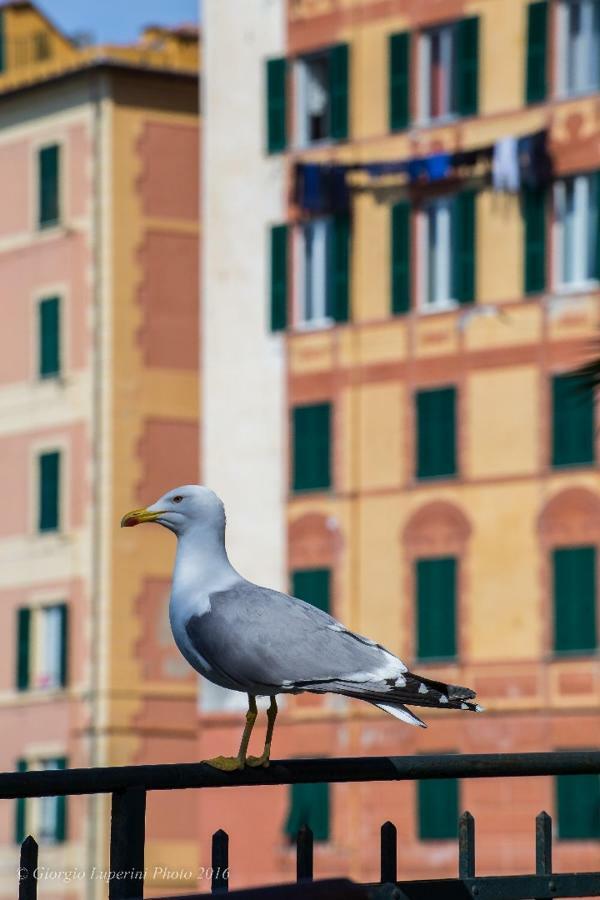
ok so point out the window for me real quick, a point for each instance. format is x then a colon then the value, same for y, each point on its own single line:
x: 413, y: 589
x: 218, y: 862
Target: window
x: 448, y: 270
x: 322, y: 96
x: 573, y: 438
x: 308, y: 804
x: 49, y: 186
x: 574, y: 590
x: 579, y: 46
x: 448, y: 63
x: 578, y: 807
x: 42, y: 647
x: 436, y: 608
x: 49, y: 465
x: 49, y: 337
x: 324, y: 271
x: 576, y: 201
x: 437, y: 809
x: 313, y: 586
x: 43, y: 817
x: 436, y: 433
x: 312, y: 447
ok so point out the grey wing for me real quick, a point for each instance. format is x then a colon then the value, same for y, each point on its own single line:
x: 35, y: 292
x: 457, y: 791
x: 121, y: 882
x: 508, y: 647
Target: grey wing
x: 268, y: 641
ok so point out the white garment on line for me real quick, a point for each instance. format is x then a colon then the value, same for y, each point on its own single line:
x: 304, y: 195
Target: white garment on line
x: 505, y: 165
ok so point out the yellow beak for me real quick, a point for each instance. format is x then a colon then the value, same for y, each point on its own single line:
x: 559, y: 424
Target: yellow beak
x: 137, y: 516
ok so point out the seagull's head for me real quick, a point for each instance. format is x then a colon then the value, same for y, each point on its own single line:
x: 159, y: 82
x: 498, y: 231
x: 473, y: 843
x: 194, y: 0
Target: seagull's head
x: 181, y: 509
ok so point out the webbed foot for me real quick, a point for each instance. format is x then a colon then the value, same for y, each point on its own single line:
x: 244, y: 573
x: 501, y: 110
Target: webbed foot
x: 225, y: 763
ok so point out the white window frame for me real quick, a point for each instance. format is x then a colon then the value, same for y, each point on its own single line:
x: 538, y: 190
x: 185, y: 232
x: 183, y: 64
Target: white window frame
x: 582, y: 185
x: 319, y: 317
x: 583, y: 54
x: 41, y: 668
x: 301, y: 66
x: 448, y: 54
x: 444, y: 206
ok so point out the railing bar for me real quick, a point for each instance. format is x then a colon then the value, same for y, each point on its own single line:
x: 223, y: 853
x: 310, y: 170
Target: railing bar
x: 389, y: 853
x: 304, y: 854
x: 27, y: 867
x: 127, y: 834
x: 543, y: 844
x: 220, y: 862
x: 466, y: 846
x: 298, y: 771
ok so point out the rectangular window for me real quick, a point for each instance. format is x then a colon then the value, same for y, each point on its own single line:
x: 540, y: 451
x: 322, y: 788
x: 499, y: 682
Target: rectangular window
x: 436, y: 433
x: 322, y: 96
x: 579, y: 46
x: 49, y: 491
x: 49, y: 186
x: 324, y: 271
x: 46, y: 817
x: 49, y: 337
x: 578, y: 807
x: 436, y: 608
x: 313, y: 586
x: 312, y: 447
x: 576, y: 245
x: 573, y: 433
x: 437, y: 805
x: 448, y: 69
x: 574, y: 591
x: 448, y: 265
x: 308, y: 804
x: 42, y: 645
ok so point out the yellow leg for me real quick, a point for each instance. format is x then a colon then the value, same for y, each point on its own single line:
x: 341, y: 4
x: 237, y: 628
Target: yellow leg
x: 263, y: 759
x: 234, y: 763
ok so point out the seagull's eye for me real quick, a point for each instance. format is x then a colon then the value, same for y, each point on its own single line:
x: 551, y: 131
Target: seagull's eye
x: 177, y: 499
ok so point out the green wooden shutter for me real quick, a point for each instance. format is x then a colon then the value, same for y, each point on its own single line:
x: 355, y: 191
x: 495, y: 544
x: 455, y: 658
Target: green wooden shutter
x: 312, y: 447
x: 438, y: 809
x: 399, y: 80
x: 436, y: 433
x: 279, y: 277
x: 534, y: 214
x: 436, y: 608
x: 578, y: 807
x: 2, y: 43
x: 339, y: 101
x: 276, y: 105
x: 400, y: 254
x: 467, y: 67
x: 60, y: 831
x: 536, y: 84
x: 23, y: 645
x: 49, y: 337
x: 339, y: 272
x: 64, y: 643
x: 308, y: 805
x: 574, y: 590
x: 20, y: 809
x: 49, y: 491
x: 464, y: 240
x: 313, y: 586
x: 49, y: 177
x: 573, y: 439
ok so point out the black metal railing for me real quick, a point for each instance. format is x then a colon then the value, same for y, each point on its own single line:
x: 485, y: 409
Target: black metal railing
x: 129, y: 785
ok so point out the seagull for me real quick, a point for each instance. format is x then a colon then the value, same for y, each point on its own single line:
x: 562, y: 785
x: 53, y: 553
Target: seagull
x: 262, y: 642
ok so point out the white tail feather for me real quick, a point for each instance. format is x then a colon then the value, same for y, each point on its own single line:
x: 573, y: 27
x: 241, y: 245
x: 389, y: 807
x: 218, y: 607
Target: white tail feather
x: 402, y: 713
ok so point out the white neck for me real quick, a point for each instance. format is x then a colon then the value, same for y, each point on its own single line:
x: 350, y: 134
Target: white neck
x: 202, y: 561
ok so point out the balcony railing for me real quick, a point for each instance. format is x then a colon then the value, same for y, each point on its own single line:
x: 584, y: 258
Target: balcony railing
x: 129, y: 785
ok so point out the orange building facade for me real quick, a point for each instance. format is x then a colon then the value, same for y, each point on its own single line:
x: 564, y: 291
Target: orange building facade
x: 437, y: 473
x: 99, y: 397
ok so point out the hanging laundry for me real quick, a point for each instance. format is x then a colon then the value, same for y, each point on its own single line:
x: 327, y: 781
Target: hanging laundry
x: 376, y: 170
x: 505, y: 165
x: 321, y: 188
x: 535, y: 163
x: 437, y: 166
